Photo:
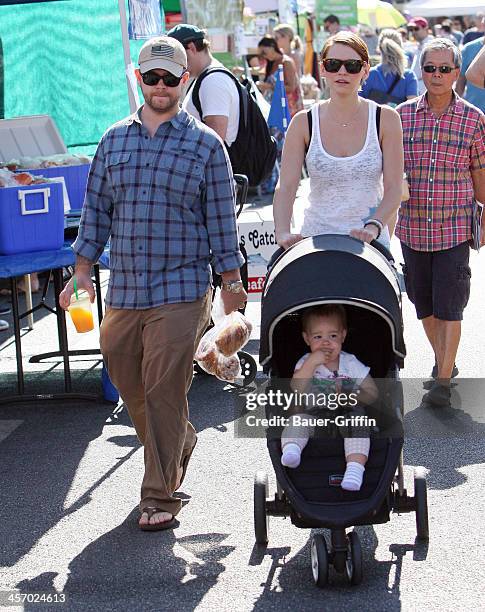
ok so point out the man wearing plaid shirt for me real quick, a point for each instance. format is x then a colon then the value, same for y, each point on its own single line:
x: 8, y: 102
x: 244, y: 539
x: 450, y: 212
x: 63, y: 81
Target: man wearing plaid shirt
x: 161, y: 188
x: 444, y: 157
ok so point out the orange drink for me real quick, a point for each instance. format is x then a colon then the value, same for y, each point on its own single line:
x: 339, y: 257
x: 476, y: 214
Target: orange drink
x: 81, y: 315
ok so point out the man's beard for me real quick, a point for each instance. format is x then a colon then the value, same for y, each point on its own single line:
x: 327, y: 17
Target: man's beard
x: 169, y: 105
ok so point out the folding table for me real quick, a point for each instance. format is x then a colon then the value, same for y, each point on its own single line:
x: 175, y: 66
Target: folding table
x: 13, y: 266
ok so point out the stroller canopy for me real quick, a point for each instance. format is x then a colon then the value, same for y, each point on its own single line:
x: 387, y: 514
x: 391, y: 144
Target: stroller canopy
x: 331, y: 268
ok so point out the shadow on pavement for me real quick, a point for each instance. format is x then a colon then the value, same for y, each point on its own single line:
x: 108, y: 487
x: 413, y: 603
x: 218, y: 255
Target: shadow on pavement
x: 445, y: 439
x: 205, y: 405
x: 40, y: 458
x: 129, y: 570
x: 290, y: 585
x: 43, y: 452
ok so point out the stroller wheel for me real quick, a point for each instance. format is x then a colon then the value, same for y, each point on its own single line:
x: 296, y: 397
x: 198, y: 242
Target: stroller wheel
x: 319, y: 557
x: 421, y: 503
x: 249, y: 369
x: 353, y: 565
x: 260, y: 515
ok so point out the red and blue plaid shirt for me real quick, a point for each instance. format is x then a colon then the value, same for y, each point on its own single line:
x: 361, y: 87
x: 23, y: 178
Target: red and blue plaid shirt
x: 439, y: 155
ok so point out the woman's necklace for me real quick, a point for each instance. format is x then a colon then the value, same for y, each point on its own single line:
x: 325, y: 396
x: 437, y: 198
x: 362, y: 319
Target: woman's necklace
x: 344, y: 124
x: 341, y: 124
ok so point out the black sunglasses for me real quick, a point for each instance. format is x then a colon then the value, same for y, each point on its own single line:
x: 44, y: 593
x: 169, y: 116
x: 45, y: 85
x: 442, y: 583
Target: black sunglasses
x: 442, y: 69
x: 169, y: 80
x: 352, y: 66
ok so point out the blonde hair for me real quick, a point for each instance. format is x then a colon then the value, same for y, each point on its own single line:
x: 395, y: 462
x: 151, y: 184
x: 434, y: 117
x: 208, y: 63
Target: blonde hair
x: 284, y: 29
x: 393, y: 57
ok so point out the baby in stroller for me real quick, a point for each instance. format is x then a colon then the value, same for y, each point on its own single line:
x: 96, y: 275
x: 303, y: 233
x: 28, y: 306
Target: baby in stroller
x: 327, y: 369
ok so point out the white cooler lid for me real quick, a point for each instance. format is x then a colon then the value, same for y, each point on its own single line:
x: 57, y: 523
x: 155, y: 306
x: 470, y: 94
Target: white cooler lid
x: 29, y: 136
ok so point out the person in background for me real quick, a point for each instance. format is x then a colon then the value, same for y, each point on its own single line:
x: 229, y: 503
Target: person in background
x: 404, y: 34
x: 444, y: 158
x: 254, y: 64
x: 448, y: 30
x: 391, y: 72
x: 476, y: 31
x: 161, y: 189
x: 269, y: 50
x: 476, y: 71
x: 442, y: 30
x: 370, y: 38
x: 408, y: 46
x: 390, y: 82
x: 331, y: 24
x: 418, y: 26
x: 219, y: 96
x: 310, y: 87
x: 473, y: 94
x: 290, y: 43
x: 458, y: 25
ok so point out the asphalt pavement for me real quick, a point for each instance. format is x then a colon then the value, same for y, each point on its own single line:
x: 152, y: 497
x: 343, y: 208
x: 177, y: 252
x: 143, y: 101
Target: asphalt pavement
x: 70, y: 479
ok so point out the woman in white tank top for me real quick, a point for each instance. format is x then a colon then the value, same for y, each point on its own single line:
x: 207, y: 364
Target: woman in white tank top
x: 355, y: 173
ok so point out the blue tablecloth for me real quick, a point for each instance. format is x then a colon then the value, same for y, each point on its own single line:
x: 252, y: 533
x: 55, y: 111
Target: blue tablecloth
x: 27, y: 263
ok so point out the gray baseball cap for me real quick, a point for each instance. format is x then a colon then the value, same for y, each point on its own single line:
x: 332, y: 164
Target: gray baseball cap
x: 163, y: 52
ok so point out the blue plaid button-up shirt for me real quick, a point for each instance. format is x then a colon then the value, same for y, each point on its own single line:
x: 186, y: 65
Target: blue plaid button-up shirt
x: 167, y: 204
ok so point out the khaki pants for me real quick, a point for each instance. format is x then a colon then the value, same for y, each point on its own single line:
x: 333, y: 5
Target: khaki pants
x: 149, y: 356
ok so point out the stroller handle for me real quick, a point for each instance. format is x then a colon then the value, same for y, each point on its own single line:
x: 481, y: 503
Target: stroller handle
x: 383, y: 250
x: 280, y: 251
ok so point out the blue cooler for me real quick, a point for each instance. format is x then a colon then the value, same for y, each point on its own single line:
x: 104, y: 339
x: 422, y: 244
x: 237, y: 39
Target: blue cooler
x: 31, y: 218
x: 75, y: 177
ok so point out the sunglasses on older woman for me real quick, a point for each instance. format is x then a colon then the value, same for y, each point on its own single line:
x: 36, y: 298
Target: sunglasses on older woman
x: 152, y: 78
x: 352, y: 66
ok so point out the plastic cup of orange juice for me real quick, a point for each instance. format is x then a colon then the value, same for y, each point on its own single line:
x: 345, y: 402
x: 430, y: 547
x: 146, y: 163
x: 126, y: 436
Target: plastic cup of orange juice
x: 81, y: 313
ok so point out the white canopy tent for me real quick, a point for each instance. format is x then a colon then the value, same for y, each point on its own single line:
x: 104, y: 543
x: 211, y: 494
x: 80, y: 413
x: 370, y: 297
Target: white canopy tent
x: 261, y: 6
x: 440, y: 8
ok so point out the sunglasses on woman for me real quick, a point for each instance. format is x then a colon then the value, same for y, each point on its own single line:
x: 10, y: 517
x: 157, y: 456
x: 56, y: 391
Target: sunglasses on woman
x: 352, y: 66
x: 443, y: 69
x: 152, y: 78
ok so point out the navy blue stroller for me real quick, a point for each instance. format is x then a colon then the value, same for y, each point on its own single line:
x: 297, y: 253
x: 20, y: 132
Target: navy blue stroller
x: 337, y: 269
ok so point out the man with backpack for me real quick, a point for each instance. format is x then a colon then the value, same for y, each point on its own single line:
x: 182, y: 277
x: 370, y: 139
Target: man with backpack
x: 218, y: 94
x: 217, y: 98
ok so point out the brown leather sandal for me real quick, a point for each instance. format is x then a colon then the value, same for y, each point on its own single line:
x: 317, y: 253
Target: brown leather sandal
x: 150, y: 511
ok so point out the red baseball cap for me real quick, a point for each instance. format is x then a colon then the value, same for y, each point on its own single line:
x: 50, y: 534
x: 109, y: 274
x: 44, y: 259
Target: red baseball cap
x: 417, y: 22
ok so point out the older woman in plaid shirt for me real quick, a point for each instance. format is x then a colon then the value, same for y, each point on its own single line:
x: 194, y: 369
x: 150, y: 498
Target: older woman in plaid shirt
x: 444, y: 156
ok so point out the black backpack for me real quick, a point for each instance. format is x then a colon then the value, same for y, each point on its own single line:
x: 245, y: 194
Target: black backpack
x: 253, y: 153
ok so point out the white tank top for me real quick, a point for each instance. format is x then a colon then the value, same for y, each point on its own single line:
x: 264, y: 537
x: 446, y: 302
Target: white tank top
x: 344, y: 191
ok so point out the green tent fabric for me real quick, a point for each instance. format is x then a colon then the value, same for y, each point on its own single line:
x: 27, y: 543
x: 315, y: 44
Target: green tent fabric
x: 65, y: 59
